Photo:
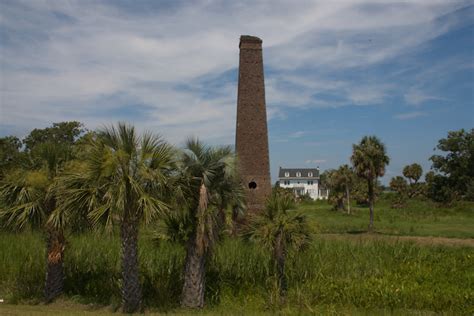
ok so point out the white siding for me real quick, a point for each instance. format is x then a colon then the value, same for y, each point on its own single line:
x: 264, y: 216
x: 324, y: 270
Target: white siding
x: 302, y: 185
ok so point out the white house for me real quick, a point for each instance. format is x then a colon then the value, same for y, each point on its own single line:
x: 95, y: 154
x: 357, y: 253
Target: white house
x: 302, y: 181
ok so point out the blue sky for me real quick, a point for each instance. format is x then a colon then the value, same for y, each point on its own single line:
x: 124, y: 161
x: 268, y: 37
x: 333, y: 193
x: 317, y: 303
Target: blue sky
x: 334, y: 70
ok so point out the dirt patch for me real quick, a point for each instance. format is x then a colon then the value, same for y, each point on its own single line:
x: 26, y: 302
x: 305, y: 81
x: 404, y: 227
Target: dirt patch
x: 422, y: 240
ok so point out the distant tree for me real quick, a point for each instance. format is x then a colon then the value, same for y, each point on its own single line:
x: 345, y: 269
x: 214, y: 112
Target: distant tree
x: 413, y: 173
x: 10, y: 154
x: 59, y: 133
x: 336, y: 195
x: 369, y: 159
x: 457, y: 166
x: 399, y: 185
x: 360, y: 193
x: 340, y: 183
x: 323, y: 177
x: 438, y: 188
x: 347, y: 176
x: 280, y: 229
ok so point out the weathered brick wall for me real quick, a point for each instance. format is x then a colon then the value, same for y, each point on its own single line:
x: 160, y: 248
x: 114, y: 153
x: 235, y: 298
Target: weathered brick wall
x: 251, y: 133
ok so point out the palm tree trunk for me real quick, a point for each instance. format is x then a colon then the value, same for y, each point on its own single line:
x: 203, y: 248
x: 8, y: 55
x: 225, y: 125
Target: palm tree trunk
x: 340, y: 204
x: 235, y: 221
x: 54, y: 265
x: 221, y: 218
x: 131, y: 289
x: 194, y: 275
x: 348, y: 200
x: 280, y: 256
x: 371, y: 203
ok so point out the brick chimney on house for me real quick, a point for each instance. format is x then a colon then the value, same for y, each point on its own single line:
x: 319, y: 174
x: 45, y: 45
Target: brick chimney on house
x: 251, y: 140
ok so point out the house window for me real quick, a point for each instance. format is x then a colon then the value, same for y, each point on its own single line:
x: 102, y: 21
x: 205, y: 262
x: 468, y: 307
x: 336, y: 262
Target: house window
x: 310, y: 174
x: 298, y: 174
x: 310, y: 182
x: 287, y: 174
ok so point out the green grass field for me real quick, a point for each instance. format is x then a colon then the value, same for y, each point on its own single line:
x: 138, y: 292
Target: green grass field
x: 348, y: 276
x: 417, y: 218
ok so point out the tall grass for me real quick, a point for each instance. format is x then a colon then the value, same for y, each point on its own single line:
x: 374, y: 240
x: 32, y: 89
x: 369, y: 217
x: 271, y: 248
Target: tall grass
x: 365, y: 274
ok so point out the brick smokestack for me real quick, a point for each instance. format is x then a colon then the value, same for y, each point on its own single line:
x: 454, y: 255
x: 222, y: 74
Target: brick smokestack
x: 251, y: 141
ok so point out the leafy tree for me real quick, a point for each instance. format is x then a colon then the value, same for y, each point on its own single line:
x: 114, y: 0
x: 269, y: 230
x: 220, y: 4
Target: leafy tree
x: 336, y: 192
x: 457, y: 165
x: 10, y: 154
x: 413, y: 172
x: 280, y: 229
x: 360, y: 193
x: 208, y: 184
x: 340, y: 184
x: 369, y: 159
x: 30, y: 197
x: 399, y: 185
x: 439, y: 189
x: 122, y: 180
x: 60, y: 133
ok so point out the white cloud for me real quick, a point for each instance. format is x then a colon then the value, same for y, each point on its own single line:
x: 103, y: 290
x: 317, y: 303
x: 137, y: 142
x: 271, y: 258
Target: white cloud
x: 417, y: 97
x: 298, y: 134
x: 64, y: 60
x: 410, y: 115
x: 315, y: 161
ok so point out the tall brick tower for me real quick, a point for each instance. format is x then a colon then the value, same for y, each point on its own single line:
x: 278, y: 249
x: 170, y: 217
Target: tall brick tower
x: 251, y: 137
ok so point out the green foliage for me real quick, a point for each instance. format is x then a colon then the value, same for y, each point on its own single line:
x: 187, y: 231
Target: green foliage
x: 122, y: 176
x: 439, y: 189
x: 10, y: 154
x: 413, y: 172
x: 400, y: 186
x: 360, y: 192
x: 278, y: 218
x: 30, y: 195
x: 65, y: 133
x: 365, y: 274
x: 207, y: 185
x: 282, y: 230
x: 288, y: 192
x: 340, y: 183
x: 457, y: 166
x: 369, y: 158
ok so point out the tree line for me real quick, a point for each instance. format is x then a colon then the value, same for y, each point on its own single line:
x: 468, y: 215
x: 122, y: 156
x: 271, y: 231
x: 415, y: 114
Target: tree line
x: 450, y: 179
x: 65, y: 179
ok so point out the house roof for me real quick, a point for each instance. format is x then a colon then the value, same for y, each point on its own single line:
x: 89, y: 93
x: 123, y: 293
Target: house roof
x: 304, y: 172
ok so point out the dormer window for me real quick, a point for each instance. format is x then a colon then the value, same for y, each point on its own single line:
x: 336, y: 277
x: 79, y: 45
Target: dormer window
x: 298, y: 174
x: 287, y: 174
x: 310, y: 174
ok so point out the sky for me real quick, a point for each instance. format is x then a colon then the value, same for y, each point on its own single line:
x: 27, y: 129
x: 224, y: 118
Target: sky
x: 334, y: 71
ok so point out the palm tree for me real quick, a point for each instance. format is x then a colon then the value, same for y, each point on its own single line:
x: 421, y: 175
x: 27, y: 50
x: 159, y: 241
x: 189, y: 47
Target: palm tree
x: 369, y: 159
x: 30, y: 197
x: 347, y: 176
x: 208, y: 186
x: 280, y: 229
x: 123, y: 180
